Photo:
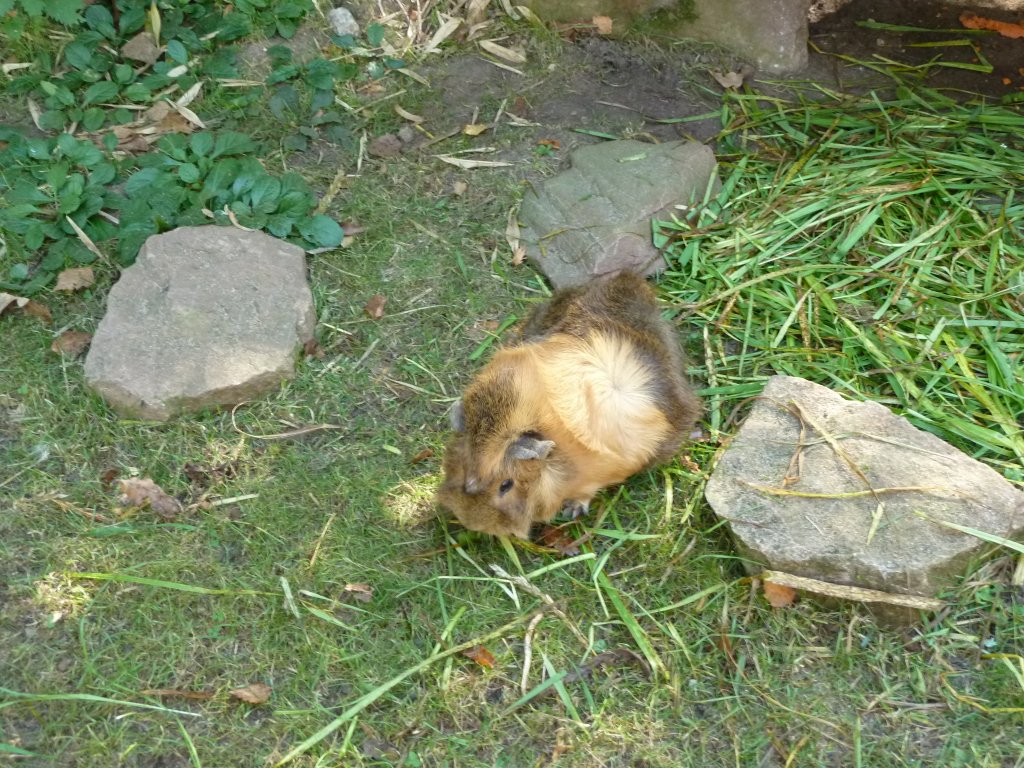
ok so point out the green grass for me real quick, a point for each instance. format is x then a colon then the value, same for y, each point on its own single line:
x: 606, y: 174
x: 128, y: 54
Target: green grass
x: 714, y: 676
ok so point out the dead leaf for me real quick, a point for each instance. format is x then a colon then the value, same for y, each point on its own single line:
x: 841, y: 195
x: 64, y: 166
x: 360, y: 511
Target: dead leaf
x: 480, y: 655
x: 8, y: 299
x: 509, y: 55
x: 779, y: 596
x: 138, y: 493
x: 728, y: 80
x: 557, y: 538
x: 194, y: 695
x: 443, y: 33
x: 459, y: 188
x: 462, y: 162
x: 423, y: 455
x: 141, y: 48
x: 27, y: 306
x: 190, y: 95
x: 312, y: 348
x: 476, y: 12
x: 108, y: 477
x: 388, y: 145
x: 1004, y: 28
x: 375, y: 306
x: 552, y: 143
x: 75, y: 279
x: 603, y: 24
x: 410, y: 116
x: 361, y: 592
x: 475, y: 129
x: 202, y: 476
x: 256, y: 693
x: 512, y: 234
x: 71, y: 343
x: 844, y: 592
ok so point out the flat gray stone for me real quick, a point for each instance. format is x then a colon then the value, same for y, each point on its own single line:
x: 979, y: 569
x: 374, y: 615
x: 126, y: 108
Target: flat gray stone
x: 827, y: 538
x: 343, y: 22
x: 206, y: 316
x: 595, y: 217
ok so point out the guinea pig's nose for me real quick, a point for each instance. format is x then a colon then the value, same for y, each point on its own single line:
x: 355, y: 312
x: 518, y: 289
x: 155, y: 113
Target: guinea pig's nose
x: 473, y: 485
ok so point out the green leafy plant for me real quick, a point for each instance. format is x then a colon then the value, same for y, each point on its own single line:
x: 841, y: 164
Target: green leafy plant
x: 66, y: 12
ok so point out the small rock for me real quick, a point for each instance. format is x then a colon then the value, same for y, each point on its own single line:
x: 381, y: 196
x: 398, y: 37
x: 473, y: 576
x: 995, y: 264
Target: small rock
x: 595, y: 217
x: 827, y: 538
x: 343, y: 22
x: 206, y: 316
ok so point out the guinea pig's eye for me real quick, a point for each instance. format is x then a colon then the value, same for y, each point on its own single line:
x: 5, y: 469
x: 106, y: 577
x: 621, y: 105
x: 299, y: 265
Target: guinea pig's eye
x: 505, y: 487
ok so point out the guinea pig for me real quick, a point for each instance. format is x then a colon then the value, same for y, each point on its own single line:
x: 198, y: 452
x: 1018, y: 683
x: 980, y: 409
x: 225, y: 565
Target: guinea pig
x: 591, y: 392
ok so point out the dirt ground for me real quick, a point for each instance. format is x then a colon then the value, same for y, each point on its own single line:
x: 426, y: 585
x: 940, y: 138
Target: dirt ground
x: 655, y: 91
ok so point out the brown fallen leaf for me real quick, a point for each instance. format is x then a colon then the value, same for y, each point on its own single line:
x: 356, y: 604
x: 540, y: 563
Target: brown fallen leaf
x: 194, y: 695
x: 1004, y: 28
x: 141, y: 48
x: 480, y: 655
x: 361, y: 592
x: 375, y: 306
x: 550, y: 143
x: 10, y: 300
x: 603, y: 24
x: 779, y: 596
x: 71, y: 343
x: 108, y: 477
x: 256, y: 693
x: 474, y: 129
x: 555, y: 537
x: 388, y: 145
x: 423, y: 455
x: 138, y: 493
x: 41, y: 311
x: 312, y: 348
x: 75, y: 279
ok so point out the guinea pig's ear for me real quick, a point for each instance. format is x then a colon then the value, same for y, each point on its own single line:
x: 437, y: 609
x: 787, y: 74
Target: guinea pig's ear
x: 458, y: 416
x: 529, y: 445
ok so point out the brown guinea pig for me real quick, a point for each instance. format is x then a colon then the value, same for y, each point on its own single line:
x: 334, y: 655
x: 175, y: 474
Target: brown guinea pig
x: 593, y: 392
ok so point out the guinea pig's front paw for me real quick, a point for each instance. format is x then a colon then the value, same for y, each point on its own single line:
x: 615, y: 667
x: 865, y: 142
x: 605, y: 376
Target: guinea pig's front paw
x: 574, y: 508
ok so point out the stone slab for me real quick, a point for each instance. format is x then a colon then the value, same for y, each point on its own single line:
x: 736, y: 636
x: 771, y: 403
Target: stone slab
x: 594, y: 218
x: 827, y: 538
x: 206, y: 316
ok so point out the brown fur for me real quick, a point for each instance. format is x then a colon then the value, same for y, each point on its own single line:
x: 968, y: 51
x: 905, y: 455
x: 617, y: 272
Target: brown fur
x: 593, y: 392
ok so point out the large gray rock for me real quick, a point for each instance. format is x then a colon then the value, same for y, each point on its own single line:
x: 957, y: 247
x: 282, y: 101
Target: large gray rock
x: 770, y: 33
x: 207, y: 316
x: 595, y: 217
x: 827, y: 538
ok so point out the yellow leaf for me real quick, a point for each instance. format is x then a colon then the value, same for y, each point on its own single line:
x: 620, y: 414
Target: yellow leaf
x: 154, y: 22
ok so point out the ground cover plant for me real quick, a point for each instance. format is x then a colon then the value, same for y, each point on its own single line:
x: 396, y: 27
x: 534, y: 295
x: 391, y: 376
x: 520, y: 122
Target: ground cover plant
x: 298, y: 603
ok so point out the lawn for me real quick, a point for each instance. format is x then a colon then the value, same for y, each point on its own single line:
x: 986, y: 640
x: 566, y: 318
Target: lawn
x: 309, y: 606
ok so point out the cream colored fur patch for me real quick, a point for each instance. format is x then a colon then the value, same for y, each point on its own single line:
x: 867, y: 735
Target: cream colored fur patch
x: 602, y: 391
